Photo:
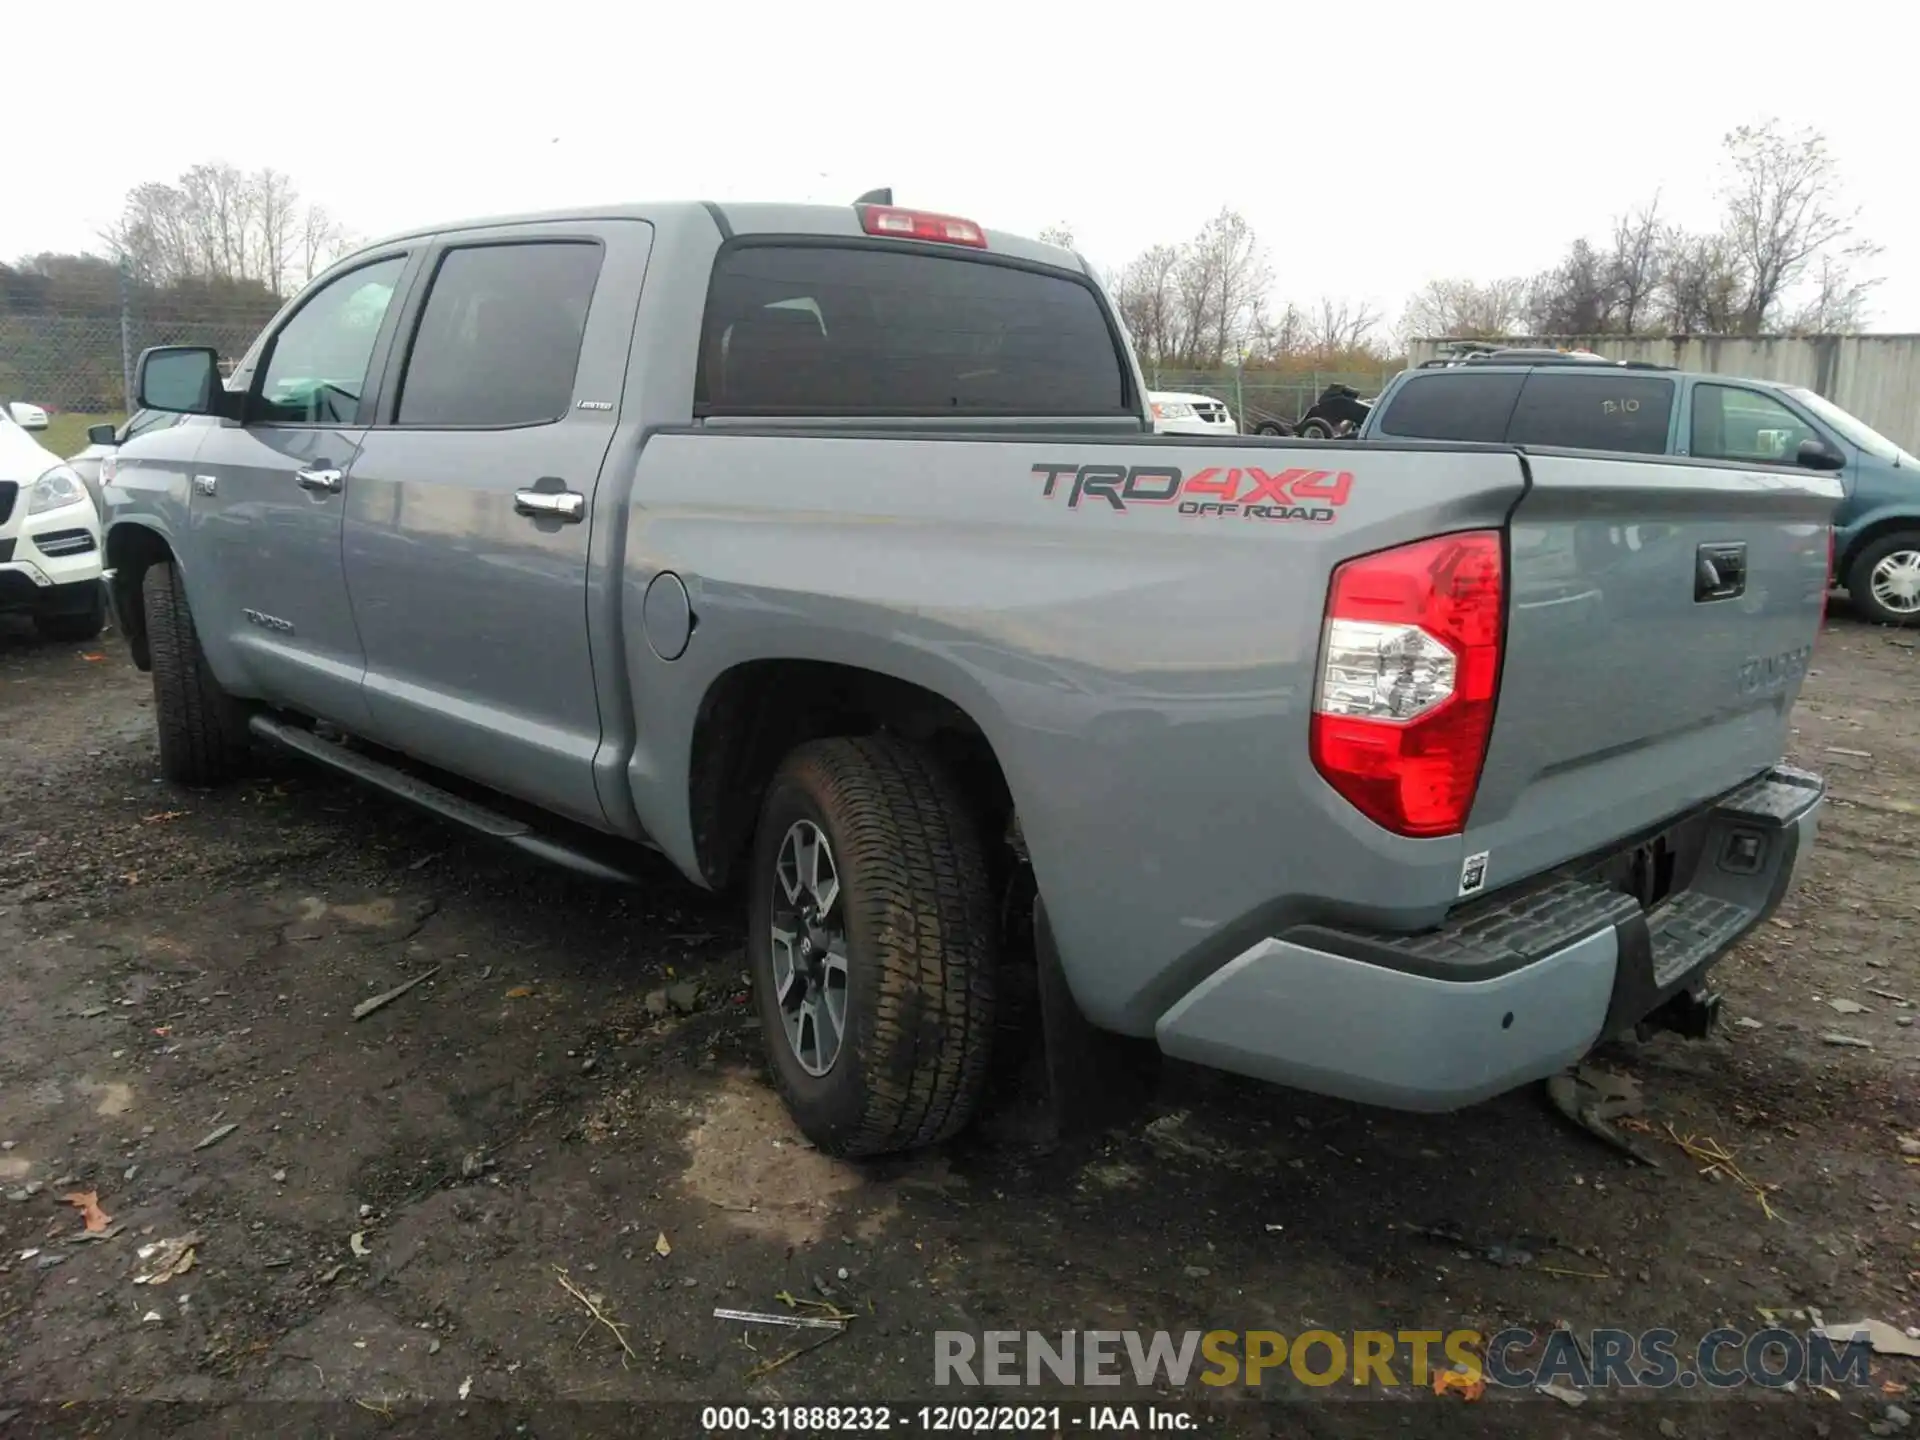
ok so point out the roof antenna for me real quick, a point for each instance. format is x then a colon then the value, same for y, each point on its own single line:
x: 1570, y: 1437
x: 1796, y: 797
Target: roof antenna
x: 882, y: 196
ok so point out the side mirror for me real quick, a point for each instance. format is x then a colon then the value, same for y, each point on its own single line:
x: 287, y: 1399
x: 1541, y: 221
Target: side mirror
x: 102, y: 435
x: 1815, y: 454
x: 181, y: 379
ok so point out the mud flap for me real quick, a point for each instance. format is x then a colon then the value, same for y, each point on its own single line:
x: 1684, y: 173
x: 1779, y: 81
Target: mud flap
x: 1095, y: 1078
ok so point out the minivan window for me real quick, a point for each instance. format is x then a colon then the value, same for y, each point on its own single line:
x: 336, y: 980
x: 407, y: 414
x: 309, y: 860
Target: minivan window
x: 1734, y: 423
x: 1453, y: 405
x: 859, y: 330
x: 499, y: 337
x: 1606, y: 411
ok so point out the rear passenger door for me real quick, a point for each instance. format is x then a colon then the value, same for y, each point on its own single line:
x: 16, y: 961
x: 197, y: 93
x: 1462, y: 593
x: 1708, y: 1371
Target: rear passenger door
x: 476, y: 497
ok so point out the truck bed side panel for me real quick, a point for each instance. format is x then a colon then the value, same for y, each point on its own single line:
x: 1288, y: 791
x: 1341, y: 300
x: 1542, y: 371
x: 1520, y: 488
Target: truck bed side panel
x: 1144, y: 675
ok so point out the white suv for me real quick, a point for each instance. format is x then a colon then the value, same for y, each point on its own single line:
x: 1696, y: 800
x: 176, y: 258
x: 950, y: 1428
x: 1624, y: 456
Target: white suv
x: 49, y: 541
x: 1177, y: 413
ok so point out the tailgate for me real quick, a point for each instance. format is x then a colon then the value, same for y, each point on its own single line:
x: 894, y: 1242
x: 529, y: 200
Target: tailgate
x: 1661, y: 618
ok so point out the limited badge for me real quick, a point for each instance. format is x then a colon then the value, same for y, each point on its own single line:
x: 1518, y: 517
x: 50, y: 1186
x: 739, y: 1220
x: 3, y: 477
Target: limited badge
x: 1473, y: 873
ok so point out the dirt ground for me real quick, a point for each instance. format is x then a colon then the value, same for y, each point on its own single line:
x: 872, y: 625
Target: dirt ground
x: 389, y: 1210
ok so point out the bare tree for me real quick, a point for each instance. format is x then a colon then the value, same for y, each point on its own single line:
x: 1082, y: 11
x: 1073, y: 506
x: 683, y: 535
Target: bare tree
x: 1144, y: 293
x: 322, y: 241
x: 1703, y: 283
x: 1838, y: 302
x: 1783, y: 211
x: 1059, y: 233
x: 274, y: 209
x: 218, y: 224
x: 1464, y: 309
x: 1219, y: 284
x: 1633, y: 266
x: 1338, y: 327
x: 1576, y: 297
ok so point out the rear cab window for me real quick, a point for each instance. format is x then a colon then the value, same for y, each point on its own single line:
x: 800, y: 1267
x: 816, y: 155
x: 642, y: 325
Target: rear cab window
x: 808, y: 328
x: 1614, y: 410
x: 1453, y: 405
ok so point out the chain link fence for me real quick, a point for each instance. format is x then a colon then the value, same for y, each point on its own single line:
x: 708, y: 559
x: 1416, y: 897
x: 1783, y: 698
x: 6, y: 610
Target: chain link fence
x: 81, y: 362
x: 1256, y: 395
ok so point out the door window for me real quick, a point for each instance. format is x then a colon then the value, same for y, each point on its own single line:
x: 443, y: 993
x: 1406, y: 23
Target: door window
x: 499, y: 337
x: 1606, y: 411
x: 1453, y: 405
x: 1730, y: 423
x: 318, y: 368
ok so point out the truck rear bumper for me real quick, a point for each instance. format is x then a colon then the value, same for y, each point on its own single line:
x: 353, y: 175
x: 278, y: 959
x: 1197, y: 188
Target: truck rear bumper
x: 1512, y: 988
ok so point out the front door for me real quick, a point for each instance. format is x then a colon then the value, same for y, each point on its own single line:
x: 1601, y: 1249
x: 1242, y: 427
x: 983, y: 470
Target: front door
x: 266, y: 499
x: 473, y: 504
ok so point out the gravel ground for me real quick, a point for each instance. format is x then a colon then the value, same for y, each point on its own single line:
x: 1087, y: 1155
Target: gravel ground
x: 391, y: 1210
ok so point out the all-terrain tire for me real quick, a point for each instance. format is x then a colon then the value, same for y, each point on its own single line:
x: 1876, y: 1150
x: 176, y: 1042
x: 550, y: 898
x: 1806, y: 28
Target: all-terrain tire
x: 203, y: 730
x: 922, y: 938
x: 75, y: 626
x: 1900, y: 551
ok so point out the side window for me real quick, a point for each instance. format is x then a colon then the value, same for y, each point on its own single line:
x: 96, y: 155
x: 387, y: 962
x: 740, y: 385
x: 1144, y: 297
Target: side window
x: 1730, y: 423
x: 499, y: 338
x: 1609, y: 411
x: 318, y: 368
x: 1453, y: 405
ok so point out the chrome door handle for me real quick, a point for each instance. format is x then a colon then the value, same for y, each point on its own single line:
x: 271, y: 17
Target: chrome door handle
x: 325, y: 480
x: 550, y: 504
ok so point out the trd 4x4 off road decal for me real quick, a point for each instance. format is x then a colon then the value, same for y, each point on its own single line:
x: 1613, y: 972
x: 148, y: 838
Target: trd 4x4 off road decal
x: 1314, y: 496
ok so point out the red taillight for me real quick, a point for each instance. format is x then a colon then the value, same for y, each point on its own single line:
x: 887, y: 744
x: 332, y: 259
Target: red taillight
x: 1409, y: 668
x: 921, y: 225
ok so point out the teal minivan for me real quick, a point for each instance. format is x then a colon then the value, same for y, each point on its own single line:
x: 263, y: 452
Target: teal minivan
x: 1561, y: 400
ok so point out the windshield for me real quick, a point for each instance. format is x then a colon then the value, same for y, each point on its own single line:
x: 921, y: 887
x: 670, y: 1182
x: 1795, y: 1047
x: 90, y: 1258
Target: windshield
x: 1857, y: 431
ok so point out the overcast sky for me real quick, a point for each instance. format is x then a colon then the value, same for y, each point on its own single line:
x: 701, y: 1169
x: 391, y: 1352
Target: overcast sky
x: 1348, y: 135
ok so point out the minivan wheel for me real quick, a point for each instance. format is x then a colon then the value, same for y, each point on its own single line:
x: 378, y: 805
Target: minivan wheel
x: 1884, y: 582
x: 872, y: 940
x: 202, y: 729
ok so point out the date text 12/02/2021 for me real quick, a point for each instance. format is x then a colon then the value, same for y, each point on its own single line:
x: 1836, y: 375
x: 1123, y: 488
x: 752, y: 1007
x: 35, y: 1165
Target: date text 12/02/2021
x: 941, y: 1419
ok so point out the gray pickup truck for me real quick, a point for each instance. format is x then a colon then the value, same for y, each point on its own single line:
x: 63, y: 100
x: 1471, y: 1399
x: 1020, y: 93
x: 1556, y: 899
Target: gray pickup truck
x: 829, y: 552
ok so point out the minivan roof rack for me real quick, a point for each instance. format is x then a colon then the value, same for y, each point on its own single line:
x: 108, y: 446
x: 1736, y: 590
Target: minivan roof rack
x: 1521, y: 356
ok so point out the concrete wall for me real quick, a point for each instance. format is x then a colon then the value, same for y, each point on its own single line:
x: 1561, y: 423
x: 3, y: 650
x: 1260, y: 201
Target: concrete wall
x: 1876, y: 377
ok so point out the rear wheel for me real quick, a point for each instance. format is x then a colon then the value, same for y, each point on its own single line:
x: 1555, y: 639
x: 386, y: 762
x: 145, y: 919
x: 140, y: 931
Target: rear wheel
x: 1884, y: 582
x: 1272, y: 427
x: 873, y: 944
x: 203, y: 730
x: 1316, y: 429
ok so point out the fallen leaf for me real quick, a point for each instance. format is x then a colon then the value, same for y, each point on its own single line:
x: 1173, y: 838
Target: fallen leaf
x: 1465, y: 1383
x: 162, y: 817
x: 466, y: 1387
x: 87, y: 1202
x: 91, y: 656
x: 166, y: 1259
x: 357, y: 1243
x: 519, y: 992
x: 661, y: 1247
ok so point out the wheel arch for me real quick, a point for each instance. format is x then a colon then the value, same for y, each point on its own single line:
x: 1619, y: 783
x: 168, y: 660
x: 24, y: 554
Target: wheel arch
x: 1874, y: 528
x: 757, y: 711
x: 132, y: 550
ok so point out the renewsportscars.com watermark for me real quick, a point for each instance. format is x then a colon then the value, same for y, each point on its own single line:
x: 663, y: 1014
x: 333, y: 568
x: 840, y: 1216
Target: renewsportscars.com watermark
x: 1461, y: 1360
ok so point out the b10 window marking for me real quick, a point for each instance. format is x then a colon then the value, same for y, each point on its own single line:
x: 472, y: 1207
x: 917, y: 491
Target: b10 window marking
x: 1243, y: 491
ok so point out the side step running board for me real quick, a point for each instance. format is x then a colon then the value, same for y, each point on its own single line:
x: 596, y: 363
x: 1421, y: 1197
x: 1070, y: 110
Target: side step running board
x: 446, y: 805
